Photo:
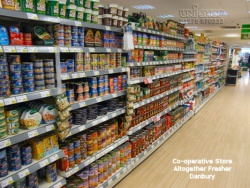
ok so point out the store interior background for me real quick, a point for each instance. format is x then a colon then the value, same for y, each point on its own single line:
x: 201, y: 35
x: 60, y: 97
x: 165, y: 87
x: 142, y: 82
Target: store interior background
x: 235, y: 13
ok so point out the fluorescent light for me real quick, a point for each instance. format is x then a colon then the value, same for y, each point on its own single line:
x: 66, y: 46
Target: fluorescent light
x: 165, y: 16
x: 249, y: 10
x: 143, y: 7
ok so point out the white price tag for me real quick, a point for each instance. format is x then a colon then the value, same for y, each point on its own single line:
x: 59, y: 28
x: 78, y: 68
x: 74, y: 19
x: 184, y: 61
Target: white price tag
x: 78, y: 23
x: 50, y: 128
x: 54, y: 158
x: 91, y: 49
x: 99, y: 99
x: 119, y: 50
x: 82, y: 74
x: 108, y: 28
x: 114, y: 115
x: 124, y: 170
x: 32, y: 134
x: 82, y: 104
x: 96, y: 73
x: 22, y: 98
x: 32, y: 49
x: 58, y: 185
x: 23, y: 173
x: 94, y: 122
x: 114, y: 95
x: 6, y: 182
x: 9, y: 49
x: 5, y: 143
x: 117, y: 175
x: 44, y: 163
x: 109, y: 181
x: 105, y: 118
x: 75, y: 75
x: 111, y: 71
x: 64, y: 49
x: 82, y: 128
x: 108, y: 50
x: 9, y: 101
x: 45, y: 94
x: 51, y: 49
x: 139, y: 29
x: 32, y: 16
x: 1, y: 49
x: 21, y: 49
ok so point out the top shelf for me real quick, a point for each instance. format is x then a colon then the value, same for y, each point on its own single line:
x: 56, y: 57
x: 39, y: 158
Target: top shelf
x: 29, y: 17
x: 159, y: 33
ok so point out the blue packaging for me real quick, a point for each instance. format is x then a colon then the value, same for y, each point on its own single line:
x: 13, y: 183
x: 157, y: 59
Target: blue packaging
x: 101, y: 91
x: 28, y: 74
x: 75, y: 44
x: 17, y: 90
x: 3, y: 154
x: 27, y: 66
x: 93, y: 92
x: 71, y: 159
x: 70, y: 62
x: 3, y: 68
x: 16, y: 83
x: 3, y: 173
x: 74, y: 29
x: 15, y: 67
x: 15, y: 76
x: 29, y: 89
x: 74, y: 37
x: 81, y: 30
x: 28, y: 82
x: 81, y: 43
x: 4, y: 37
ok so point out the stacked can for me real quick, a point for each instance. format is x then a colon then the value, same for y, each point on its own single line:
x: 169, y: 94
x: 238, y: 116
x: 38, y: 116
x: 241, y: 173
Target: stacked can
x: 67, y: 35
x: 124, y: 81
x: 32, y: 180
x: 81, y: 36
x: 94, y: 61
x: 112, y: 105
x: 28, y: 77
x: 20, y: 183
x: 15, y: 68
x: 74, y: 35
x: 26, y: 154
x: 100, y: 86
x: 93, y: 169
x: 70, y: 95
x: 3, y: 128
x: 106, y: 61
x: 101, y: 62
x: 112, y: 63
x: 14, y: 158
x: 78, y: 62
x: 71, y: 152
x: 100, y: 171
x: 113, y: 84
x: 49, y: 72
x: 92, y: 112
x: 106, y: 39
x: 106, y: 85
x: 86, y: 61
x: 93, y: 87
x: 59, y: 34
x: 118, y: 60
x: 51, y: 173
x: 83, y: 141
x: 12, y: 121
x: 102, y: 109
x: 70, y: 65
x: 39, y: 75
x: 3, y: 164
x: 77, y: 150
x: 90, y: 150
x: 4, y: 77
x: 80, y: 116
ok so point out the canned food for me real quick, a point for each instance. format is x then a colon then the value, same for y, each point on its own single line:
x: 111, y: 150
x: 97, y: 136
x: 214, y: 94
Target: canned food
x: 49, y: 69
x: 38, y: 70
x: 39, y: 88
x: 28, y: 82
x: 49, y: 75
x: 49, y: 81
x: 38, y: 64
x: 39, y: 76
x: 48, y: 63
x: 29, y: 89
x: 39, y: 82
x: 50, y: 86
x: 28, y: 74
x: 16, y: 83
x: 15, y: 76
x: 27, y: 66
x: 16, y: 90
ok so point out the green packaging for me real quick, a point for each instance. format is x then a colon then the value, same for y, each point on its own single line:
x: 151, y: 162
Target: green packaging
x: 71, y: 12
x: 79, y: 3
x: 70, y: 2
x: 94, y: 17
x: 87, y: 4
x: 87, y: 15
x: 79, y: 13
x: 52, y: 7
x: 27, y: 6
x: 40, y: 6
x: 62, y: 8
x: 95, y: 5
x: 41, y: 37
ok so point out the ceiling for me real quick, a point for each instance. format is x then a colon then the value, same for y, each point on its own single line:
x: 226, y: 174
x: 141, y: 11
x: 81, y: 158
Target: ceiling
x: 237, y: 13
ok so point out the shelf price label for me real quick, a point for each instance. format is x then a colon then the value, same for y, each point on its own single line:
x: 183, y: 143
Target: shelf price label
x: 119, y: 50
x: 82, y: 104
x: 23, y: 173
x: 1, y: 103
x: 9, y: 49
x: 51, y: 49
x: 22, y: 98
x: 147, y: 80
x: 9, y: 101
x: 1, y: 49
x: 54, y: 158
x: 96, y: 73
x: 82, y: 128
x: 64, y: 49
x: 82, y: 74
x: 45, y: 94
x: 50, y: 128
x: 32, y: 49
x: 21, y: 49
x: 32, y: 16
x: 108, y: 28
x: 58, y: 185
x: 111, y: 71
x: 108, y: 49
x: 77, y: 23
x: 32, y: 134
x: 91, y: 49
x: 6, y: 182
x: 157, y: 118
x: 75, y: 75
x: 5, y: 143
x: 44, y: 163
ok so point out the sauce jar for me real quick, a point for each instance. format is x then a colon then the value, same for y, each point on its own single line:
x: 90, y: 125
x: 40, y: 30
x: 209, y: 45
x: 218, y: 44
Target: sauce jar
x: 79, y: 13
x: 125, y: 13
x: 101, y: 9
x: 114, y: 21
x: 113, y: 9
x: 120, y: 11
x: 94, y: 17
x: 106, y: 20
x: 100, y: 19
x: 120, y: 22
x: 95, y: 5
x: 87, y: 15
x: 71, y: 12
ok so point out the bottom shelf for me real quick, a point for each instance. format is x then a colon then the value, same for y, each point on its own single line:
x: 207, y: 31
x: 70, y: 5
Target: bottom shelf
x: 133, y: 163
x: 59, y: 183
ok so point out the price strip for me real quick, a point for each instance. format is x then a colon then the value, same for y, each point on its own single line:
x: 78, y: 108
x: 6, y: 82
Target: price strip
x: 45, y: 94
x: 114, y: 115
x: 54, y: 158
x: 110, y: 181
x: 91, y: 49
x: 99, y: 99
x: 32, y: 16
x: 114, y: 95
x: 82, y: 128
x: 147, y: 80
x: 58, y: 185
x: 9, y: 101
x: 94, y: 122
x: 105, y: 118
x: 32, y: 134
x: 119, y: 50
x: 124, y: 170
x: 96, y: 73
x: 64, y: 49
x: 1, y: 49
x: 157, y: 118
x: 82, y: 74
x: 32, y: 49
x: 6, y: 182
x: 22, y: 98
x: 111, y: 71
x: 50, y: 128
x: 44, y: 163
x: 108, y: 28
x: 9, y: 49
x: 75, y: 75
x: 5, y: 143
x: 117, y: 175
x: 77, y: 23
x: 108, y: 49
x: 21, y: 49
x: 82, y: 104
x: 23, y: 173
x: 51, y: 49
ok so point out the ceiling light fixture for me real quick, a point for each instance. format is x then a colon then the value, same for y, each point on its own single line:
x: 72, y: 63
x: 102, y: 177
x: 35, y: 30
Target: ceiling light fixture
x: 249, y: 12
x: 143, y: 7
x: 166, y: 16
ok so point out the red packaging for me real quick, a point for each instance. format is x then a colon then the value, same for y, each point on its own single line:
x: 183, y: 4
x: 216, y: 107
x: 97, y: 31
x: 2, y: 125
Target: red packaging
x: 15, y: 36
x: 27, y: 39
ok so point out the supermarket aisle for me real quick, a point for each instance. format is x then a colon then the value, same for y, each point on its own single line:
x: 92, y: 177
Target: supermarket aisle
x: 219, y: 131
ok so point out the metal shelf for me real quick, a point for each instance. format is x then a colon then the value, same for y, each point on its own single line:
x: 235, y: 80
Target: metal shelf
x: 198, y: 72
x: 158, y: 33
x: 136, y: 64
x: 79, y: 128
x: 28, y: 49
x: 159, y: 48
x: 151, y: 99
x: 25, y: 135
x: 28, y: 169
x: 200, y: 51
x: 190, y: 52
x: 198, y: 79
x: 76, y: 75
x: 188, y: 79
x: 188, y: 70
x: 134, y: 162
x: 24, y: 97
x: 95, y: 100
x: 89, y: 49
x: 186, y: 89
x: 96, y: 156
x: 57, y: 184
x: 190, y: 59
x: 141, y: 79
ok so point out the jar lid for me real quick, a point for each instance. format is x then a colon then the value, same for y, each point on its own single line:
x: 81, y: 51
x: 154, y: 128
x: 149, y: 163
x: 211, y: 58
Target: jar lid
x: 120, y: 7
x: 113, y: 5
x: 62, y: 2
x: 125, y: 9
x: 95, y: 12
x: 87, y: 11
x: 115, y: 17
x: 71, y: 7
x: 101, y: 5
x: 120, y: 18
x: 107, y: 15
x: 80, y: 9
